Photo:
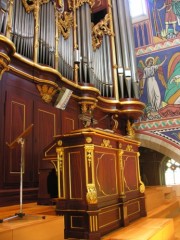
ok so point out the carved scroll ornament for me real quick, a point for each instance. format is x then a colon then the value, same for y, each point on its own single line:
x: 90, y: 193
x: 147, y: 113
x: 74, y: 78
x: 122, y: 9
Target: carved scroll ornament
x: 30, y: 5
x: 79, y: 3
x: 99, y: 30
x: 47, y: 92
x: 65, y: 22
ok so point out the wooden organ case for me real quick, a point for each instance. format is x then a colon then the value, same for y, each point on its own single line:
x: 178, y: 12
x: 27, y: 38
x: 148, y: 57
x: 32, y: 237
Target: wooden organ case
x: 99, y: 185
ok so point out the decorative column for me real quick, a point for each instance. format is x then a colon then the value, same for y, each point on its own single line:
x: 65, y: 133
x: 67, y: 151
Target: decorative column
x: 36, y: 30
x: 121, y: 172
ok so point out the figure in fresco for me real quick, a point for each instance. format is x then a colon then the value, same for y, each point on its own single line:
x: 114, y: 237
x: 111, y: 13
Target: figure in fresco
x: 171, y: 102
x: 151, y: 66
x: 170, y: 17
x: 176, y: 9
x: 172, y: 94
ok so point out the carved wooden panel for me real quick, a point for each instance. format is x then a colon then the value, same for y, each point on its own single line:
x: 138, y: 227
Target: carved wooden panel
x: 75, y: 174
x: 130, y: 172
x: 106, y: 173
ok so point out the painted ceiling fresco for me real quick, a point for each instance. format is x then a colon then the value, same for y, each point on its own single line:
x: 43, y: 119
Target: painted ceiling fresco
x: 157, y: 42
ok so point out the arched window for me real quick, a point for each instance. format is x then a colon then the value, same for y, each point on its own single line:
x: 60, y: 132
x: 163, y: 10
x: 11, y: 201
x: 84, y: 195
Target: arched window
x: 172, y: 173
x: 138, y: 10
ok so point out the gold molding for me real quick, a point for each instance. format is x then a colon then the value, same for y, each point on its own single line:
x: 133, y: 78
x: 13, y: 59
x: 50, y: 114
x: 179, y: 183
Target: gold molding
x: 60, y: 171
x: 93, y: 220
x: 4, y: 63
x: 121, y: 172
x: 141, y: 186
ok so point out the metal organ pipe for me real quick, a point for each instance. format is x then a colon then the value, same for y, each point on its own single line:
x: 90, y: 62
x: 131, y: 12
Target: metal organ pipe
x: 124, y: 44
x: 131, y: 49
x: 103, y: 56
x: 22, y: 33
x: 120, y: 70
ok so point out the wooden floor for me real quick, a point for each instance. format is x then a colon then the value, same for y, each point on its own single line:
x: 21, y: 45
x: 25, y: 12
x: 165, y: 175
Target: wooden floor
x: 161, y: 223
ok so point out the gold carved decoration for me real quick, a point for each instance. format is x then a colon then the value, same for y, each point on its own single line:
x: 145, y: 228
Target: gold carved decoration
x: 129, y: 148
x: 87, y: 109
x: 89, y: 140
x: 79, y: 3
x: 4, y: 63
x: 142, y: 186
x: 130, y: 130
x: 115, y: 127
x: 99, y: 30
x: 65, y: 22
x: 91, y: 195
x: 47, y: 92
x: 121, y: 172
x: 89, y: 150
x: 59, y: 143
x: 60, y: 171
x: 106, y: 143
x: 30, y: 5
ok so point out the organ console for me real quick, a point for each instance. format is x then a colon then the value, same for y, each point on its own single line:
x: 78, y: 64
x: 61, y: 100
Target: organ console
x: 99, y: 184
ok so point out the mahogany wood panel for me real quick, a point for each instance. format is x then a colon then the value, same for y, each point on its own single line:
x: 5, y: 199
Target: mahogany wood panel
x: 17, y: 118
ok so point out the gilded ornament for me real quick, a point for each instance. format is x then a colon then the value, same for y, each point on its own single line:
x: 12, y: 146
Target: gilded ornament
x: 31, y: 5
x: 99, y: 30
x: 79, y: 3
x: 115, y: 122
x: 89, y: 140
x: 65, y: 22
x: 47, y: 92
x: 130, y: 130
x: 91, y: 195
x: 4, y: 62
x: 106, y: 143
x: 59, y: 143
x: 129, y: 148
x: 142, y: 188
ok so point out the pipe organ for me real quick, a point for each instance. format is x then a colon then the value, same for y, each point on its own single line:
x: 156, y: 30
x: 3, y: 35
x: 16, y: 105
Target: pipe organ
x: 86, y: 47
x: 63, y: 36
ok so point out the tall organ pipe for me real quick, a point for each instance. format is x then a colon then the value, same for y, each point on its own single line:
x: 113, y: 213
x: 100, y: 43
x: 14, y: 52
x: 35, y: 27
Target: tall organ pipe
x: 84, y: 41
x: 124, y: 43
x: 131, y: 49
x: 120, y: 70
x: 113, y: 54
x: 89, y: 41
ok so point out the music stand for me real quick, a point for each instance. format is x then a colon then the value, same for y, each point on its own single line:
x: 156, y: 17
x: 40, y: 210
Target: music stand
x: 19, y: 140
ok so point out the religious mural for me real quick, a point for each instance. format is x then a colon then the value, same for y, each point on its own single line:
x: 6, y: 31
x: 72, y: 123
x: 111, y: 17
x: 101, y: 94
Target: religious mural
x: 157, y: 43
